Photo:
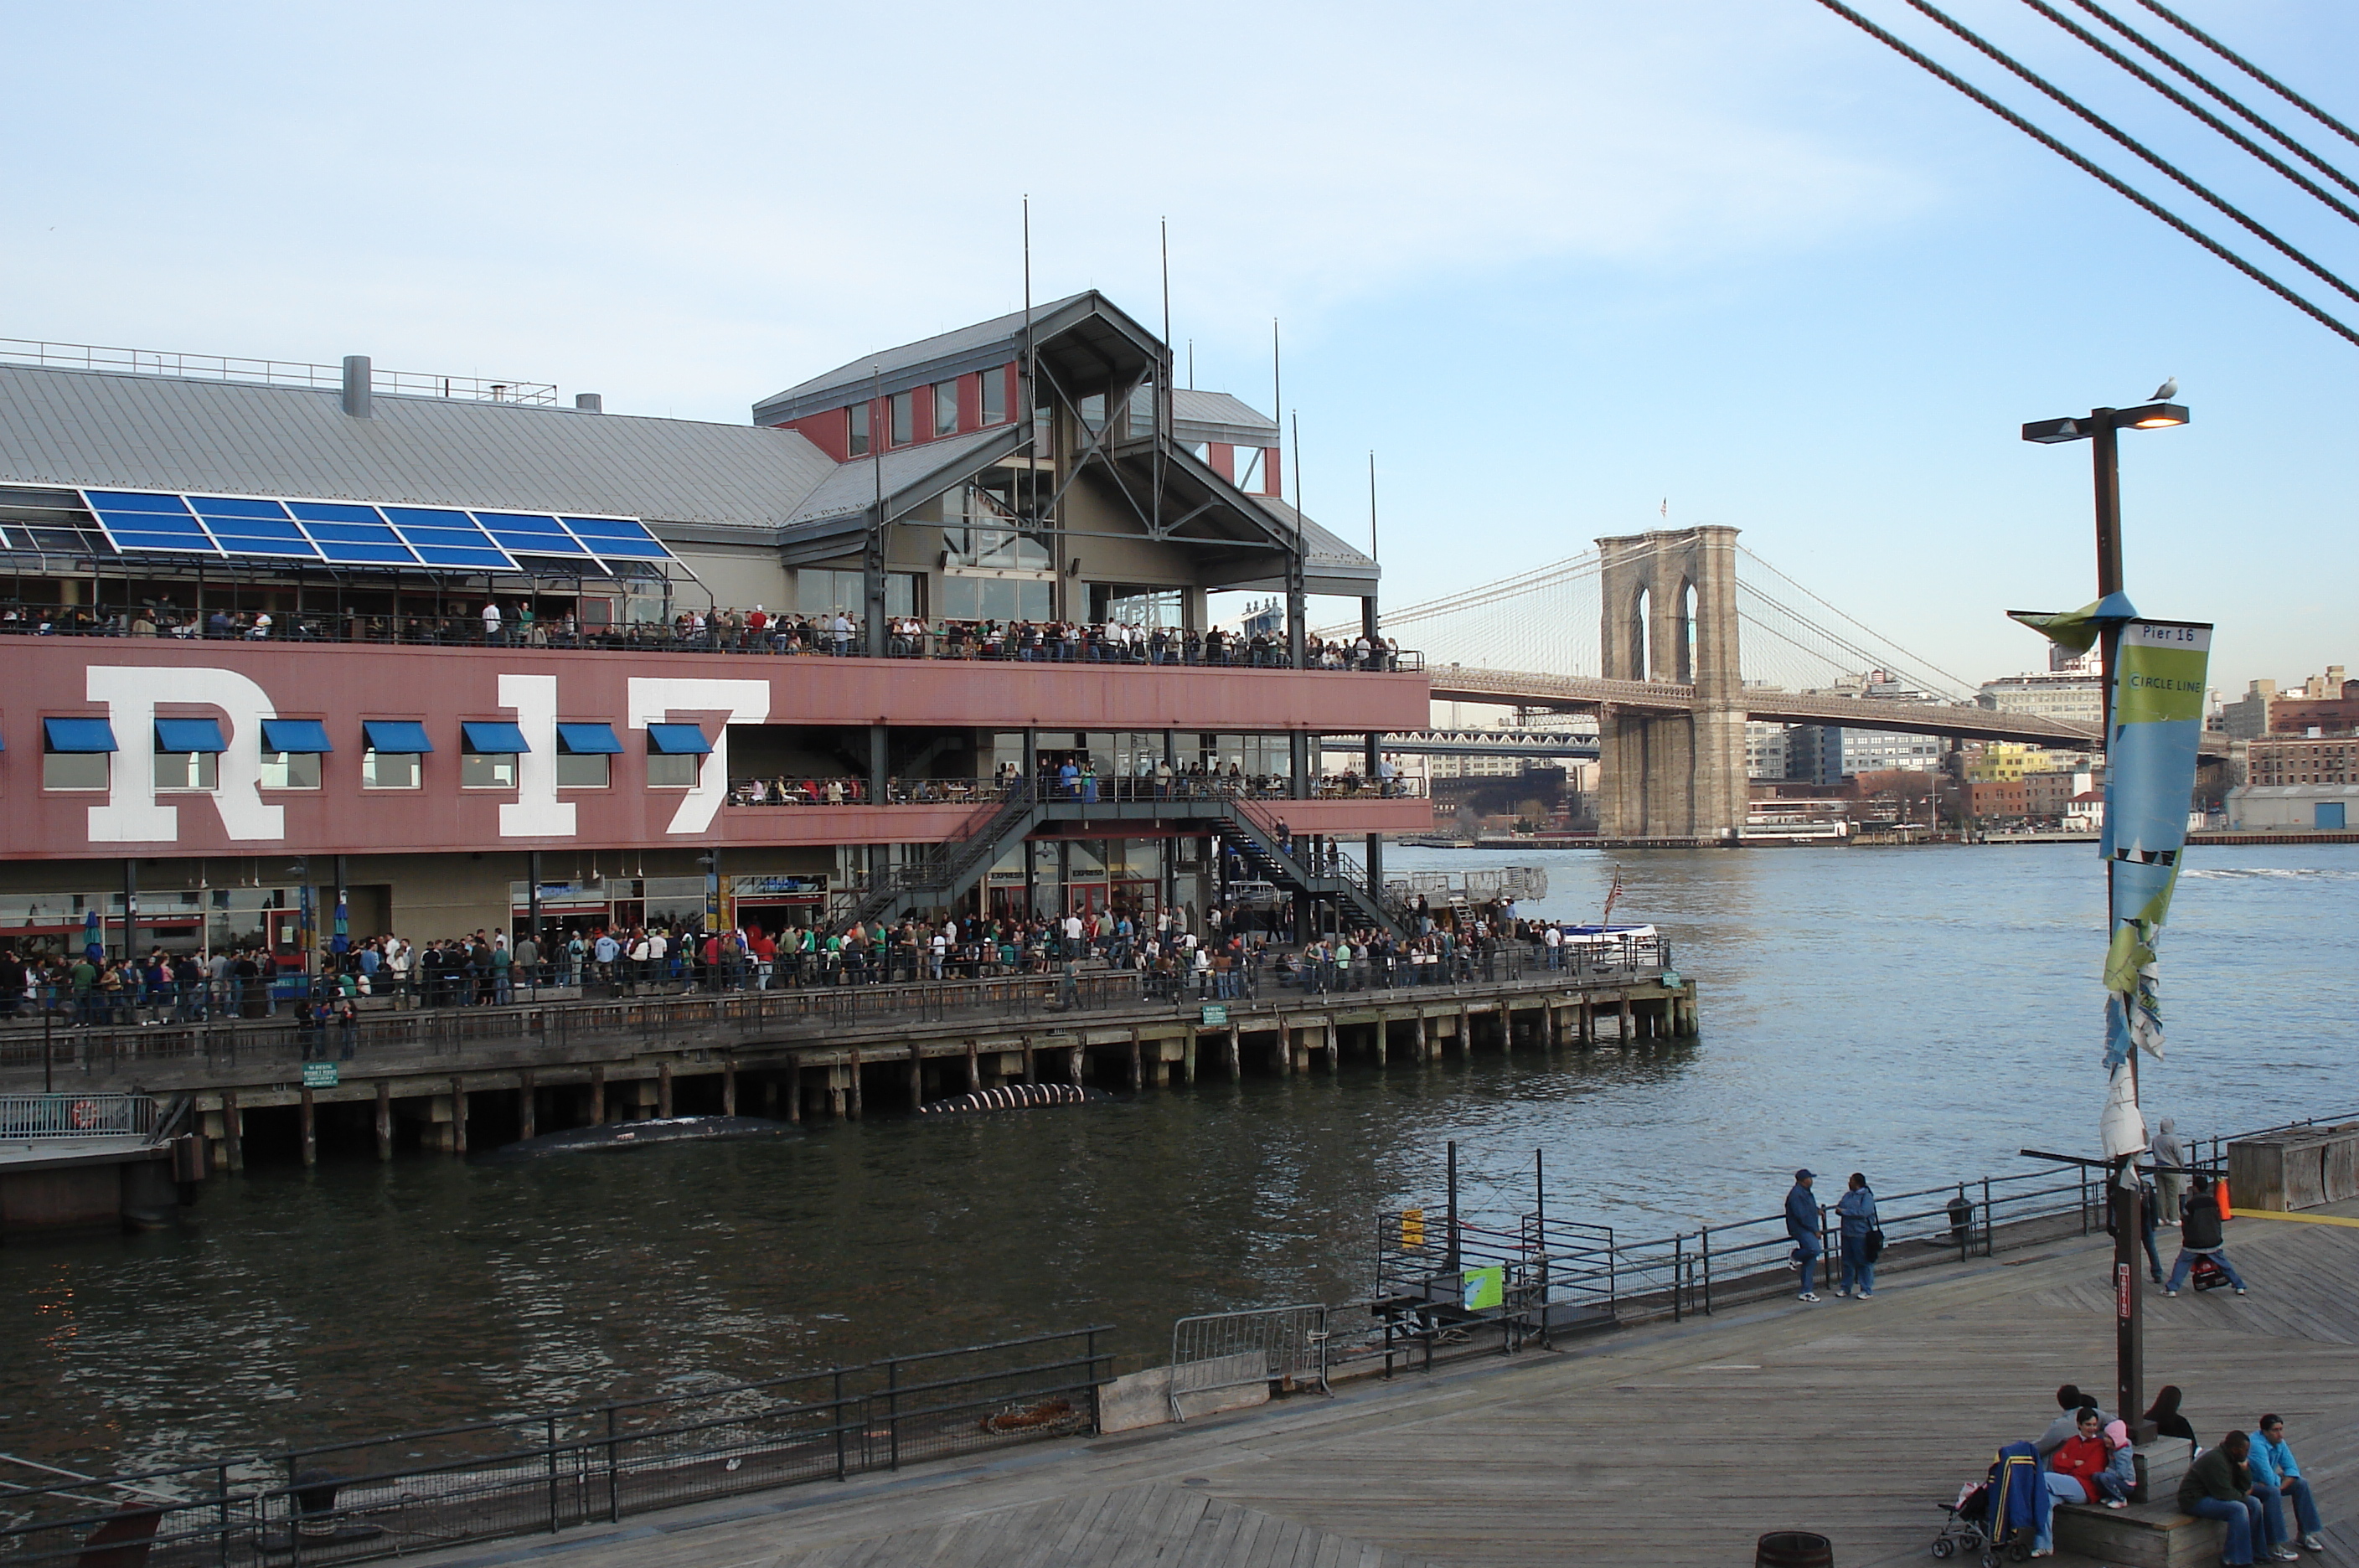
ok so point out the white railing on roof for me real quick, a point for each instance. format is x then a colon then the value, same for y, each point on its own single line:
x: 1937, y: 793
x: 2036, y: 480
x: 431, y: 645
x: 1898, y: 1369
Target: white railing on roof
x: 269, y: 372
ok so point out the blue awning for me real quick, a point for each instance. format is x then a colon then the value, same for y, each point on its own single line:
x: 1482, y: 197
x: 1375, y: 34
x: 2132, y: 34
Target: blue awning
x: 583, y: 740
x: 490, y: 737
x: 295, y: 736
x: 395, y: 735
x: 678, y: 740
x: 78, y: 734
x: 190, y: 735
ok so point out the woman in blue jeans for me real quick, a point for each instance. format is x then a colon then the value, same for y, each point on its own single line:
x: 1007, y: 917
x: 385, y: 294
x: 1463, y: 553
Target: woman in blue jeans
x: 1857, y: 1210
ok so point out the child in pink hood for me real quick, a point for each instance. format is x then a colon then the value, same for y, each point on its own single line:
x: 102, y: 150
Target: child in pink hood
x: 2119, y: 1476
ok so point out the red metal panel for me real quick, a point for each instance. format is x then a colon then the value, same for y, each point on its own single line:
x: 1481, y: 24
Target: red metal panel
x: 133, y: 681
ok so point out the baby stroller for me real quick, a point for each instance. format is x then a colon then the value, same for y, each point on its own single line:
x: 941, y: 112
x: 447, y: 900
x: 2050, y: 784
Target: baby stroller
x: 2002, y: 1514
x: 2208, y: 1275
x: 1961, y: 1521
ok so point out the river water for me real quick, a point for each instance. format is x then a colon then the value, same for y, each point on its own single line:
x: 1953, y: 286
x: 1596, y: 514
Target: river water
x: 1918, y: 1014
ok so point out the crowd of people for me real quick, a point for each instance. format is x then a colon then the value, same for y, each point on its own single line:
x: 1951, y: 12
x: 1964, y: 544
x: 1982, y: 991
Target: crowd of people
x: 2249, y: 1481
x: 838, y: 633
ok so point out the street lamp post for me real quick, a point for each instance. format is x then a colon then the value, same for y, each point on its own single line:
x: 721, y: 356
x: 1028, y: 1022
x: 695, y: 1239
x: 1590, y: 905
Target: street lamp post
x: 2102, y: 429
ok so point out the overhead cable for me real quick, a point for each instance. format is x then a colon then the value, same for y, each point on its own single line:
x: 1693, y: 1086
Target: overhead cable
x: 1957, y: 681
x: 2255, y: 71
x: 2192, y: 107
x: 2202, y: 192
x: 2221, y: 94
x: 2109, y: 180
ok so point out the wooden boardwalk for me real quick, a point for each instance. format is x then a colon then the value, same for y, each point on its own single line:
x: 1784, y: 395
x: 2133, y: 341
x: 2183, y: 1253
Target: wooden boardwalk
x: 1668, y: 1444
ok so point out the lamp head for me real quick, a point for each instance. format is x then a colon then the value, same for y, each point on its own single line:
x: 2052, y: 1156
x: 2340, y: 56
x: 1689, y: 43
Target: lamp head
x: 2050, y: 432
x: 2152, y: 417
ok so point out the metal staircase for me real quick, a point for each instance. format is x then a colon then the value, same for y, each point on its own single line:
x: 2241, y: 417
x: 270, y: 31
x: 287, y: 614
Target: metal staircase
x: 1335, y: 875
x: 953, y: 867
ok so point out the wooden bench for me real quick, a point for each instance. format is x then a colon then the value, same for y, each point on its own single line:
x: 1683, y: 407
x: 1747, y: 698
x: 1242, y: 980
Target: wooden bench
x: 2144, y: 1535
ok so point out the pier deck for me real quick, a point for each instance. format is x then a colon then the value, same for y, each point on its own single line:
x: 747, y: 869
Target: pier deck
x: 1670, y: 1445
x: 449, y: 1079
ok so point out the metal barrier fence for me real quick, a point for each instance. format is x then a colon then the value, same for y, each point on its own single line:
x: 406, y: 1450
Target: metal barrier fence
x: 76, y: 1116
x: 1234, y: 1350
x: 419, y: 1491
x: 406, y: 1023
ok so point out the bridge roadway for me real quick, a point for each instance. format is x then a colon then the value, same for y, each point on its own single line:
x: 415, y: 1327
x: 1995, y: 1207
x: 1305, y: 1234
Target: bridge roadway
x: 1579, y: 693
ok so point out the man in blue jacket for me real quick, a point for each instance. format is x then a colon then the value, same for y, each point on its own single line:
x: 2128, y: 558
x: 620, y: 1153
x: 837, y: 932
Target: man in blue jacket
x: 1803, y: 1226
x: 2278, y: 1479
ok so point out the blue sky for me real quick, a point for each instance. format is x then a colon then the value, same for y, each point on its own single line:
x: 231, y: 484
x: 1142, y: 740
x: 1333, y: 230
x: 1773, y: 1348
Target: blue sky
x: 1554, y: 264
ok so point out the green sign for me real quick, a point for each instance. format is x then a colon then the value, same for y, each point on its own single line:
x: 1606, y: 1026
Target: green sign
x: 1484, y: 1286
x: 1215, y: 1015
x: 1670, y: 979
x: 319, y: 1075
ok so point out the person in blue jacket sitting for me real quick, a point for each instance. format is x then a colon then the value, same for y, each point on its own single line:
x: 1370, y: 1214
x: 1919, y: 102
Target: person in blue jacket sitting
x: 2276, y: 1479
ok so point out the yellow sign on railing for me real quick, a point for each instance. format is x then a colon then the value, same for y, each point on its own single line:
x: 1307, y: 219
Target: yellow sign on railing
x: 1412, y: 1228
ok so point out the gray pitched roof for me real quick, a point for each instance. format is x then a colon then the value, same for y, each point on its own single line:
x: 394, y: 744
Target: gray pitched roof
x: 1217, y: 417
x: 94, y: 428
x: 1320, y: 548
x: 936, y: 358
x: 852, y: 488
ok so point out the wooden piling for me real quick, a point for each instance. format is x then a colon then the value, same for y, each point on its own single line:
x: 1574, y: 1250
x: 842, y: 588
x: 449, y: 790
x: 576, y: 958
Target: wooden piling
x: 526, y: 1121
x: 973, y: 1067
x: 1029, y: 1076
x: 598, y: 1095
x: 310, y: 1128
x: 852, y: 1105
x: 1137, y: 1062
x: 1334, y: 1047
x: 663, y: 1089
x: 1628, y: 1030
x: 794, y: 1088
x: 1075, y: 1064
x: 233, y: 1130
x: 384, y: 1119
x: 458, y: 1115
x: 729, y: 1088
x: 1465, y: 1033
x: 1232, y: 1053
x: 916, y: 1075
x: 1188, y: 1057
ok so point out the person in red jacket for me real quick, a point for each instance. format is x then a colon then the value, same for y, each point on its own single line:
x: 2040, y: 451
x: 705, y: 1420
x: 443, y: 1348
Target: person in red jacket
x: 2080, y: 1457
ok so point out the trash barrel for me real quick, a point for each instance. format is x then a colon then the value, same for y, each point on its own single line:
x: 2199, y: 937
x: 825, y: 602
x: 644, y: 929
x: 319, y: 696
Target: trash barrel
x: 1793, y: 1549
x: 1962, y: 1220
x: 315, y: 1503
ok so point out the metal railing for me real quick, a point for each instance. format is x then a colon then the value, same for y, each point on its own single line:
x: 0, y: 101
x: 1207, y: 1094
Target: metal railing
x: 26, y: 1116
x: 1212, y: 1351
x: 266, y: 372
x: 418, y: 1491
x: 674, y: 1022
x: 215, y: 621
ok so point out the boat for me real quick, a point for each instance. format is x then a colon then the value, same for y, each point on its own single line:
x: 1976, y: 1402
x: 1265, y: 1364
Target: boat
x: 643, y: 1134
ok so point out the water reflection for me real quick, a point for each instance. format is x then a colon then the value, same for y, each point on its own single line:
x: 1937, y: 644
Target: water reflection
x: 1917, y: 1014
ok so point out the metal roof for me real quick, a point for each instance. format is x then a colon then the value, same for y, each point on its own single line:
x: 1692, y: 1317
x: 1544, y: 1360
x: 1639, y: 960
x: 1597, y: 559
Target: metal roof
x: 82, y: 427
x: 940, y: 357
x: 1217, y: 417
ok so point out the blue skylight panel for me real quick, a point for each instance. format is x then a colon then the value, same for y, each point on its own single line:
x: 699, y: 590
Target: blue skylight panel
x: 223, y: 506
x: 134, y: 501
x: 530, y: 534
x: 333, y: 512
x: 617, y: 538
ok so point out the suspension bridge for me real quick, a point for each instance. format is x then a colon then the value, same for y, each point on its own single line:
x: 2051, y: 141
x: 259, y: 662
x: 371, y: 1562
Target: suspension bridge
x: 1674, y: 640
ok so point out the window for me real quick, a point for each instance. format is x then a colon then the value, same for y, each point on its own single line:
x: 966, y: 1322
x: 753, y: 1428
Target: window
x: 997, y: 598
x: 74, y: 771
x: 290, y: 770
x: 820, y: 591
x: 946, y: 408
x: 185, y: 770
x: 675, y: 756
x: 1092, y: 409
x: 856, y: 443
x: 389, y: 770
x: 580, y: 771
x: 905, y: 418
x: 668, y: 772
x: 994, y: 396
x: 487, y: 770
